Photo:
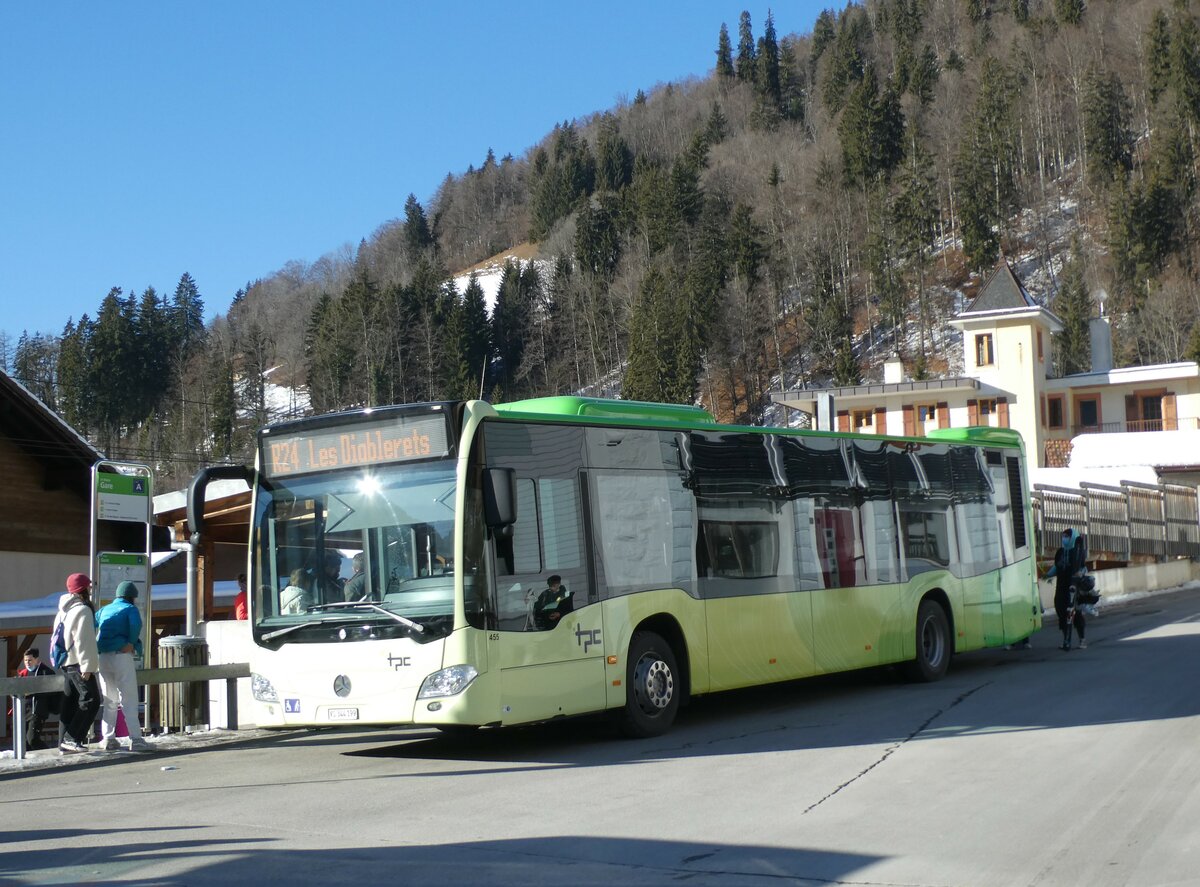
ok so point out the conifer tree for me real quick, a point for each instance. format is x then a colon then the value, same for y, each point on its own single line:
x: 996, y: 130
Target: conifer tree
x: 846, y: 64
x: 1069, y: 12
x: 511, y: 319
x: 924, y: 75
x: 357, y: 307
x: 153, y: 326
x: 767, y: 61
x: 614, y: 160
x: 416, y: 227
x: 724, y: 69
x: 745, y: 57
x: 187, y: 309
x: 663, y: 363
x: 223, y: 419
x: 34, y: 366
x: 1073, y: 306
x: 114, y: 366
x: 474, y: 342
x: 1108, y: 138
x: 327, y: 364
x: 598, y: 235
x: 74, y: 375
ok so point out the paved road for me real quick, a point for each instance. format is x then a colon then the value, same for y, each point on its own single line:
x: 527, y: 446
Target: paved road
x: 1038, y: 767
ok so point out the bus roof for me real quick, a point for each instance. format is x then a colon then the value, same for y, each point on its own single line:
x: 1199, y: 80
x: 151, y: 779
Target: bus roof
x: 979, y: 435
x: 636, y: 412
x: 600, y: 408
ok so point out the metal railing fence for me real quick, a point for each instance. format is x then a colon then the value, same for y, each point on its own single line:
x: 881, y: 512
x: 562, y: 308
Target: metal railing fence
x: 1132, y: 521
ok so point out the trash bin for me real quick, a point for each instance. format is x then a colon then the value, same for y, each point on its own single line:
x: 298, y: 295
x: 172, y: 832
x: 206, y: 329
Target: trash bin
x: 183, y: 704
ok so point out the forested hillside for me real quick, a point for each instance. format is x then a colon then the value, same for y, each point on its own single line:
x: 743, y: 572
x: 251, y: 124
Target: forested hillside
x: 792, y: 216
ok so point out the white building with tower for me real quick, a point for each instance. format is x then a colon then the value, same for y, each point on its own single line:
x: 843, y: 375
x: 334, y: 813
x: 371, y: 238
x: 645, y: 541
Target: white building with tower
x: 1009, y: 381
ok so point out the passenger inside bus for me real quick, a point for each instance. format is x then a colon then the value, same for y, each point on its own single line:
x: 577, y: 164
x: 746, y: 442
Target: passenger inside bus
x: 356, y: 586
x: 297, y: 596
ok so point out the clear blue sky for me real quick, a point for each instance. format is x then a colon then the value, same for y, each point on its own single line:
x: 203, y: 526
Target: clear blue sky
x: 142, y: 140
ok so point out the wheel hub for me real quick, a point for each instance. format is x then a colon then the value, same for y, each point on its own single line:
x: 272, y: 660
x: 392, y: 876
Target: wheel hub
x: 654, y: 684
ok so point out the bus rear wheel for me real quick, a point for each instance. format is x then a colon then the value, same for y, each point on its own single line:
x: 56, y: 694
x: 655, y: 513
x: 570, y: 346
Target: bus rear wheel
x: 933, y: 643
x: 652, y: 687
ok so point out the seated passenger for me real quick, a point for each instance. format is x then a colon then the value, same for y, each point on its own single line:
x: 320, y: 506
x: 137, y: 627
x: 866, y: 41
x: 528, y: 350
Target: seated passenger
x: 552, y: 604
x: 355, y: 588
x: 297, y: 596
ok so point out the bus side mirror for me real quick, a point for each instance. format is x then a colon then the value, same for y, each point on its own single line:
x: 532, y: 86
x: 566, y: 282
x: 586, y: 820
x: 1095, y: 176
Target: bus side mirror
x: 499, y: 497
x: 199, y: 487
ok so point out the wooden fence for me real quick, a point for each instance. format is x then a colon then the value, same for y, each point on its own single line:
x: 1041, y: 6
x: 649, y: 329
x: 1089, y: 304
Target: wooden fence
x: 1129, y: 523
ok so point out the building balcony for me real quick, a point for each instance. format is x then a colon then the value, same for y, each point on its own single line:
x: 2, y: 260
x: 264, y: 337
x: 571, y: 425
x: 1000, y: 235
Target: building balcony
x: 1186, y: 423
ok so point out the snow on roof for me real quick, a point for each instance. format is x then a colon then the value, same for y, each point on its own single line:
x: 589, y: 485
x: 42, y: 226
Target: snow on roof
x: 1074, y: 477
x: 1158, y: 449
x: 169, y: 595
x: 218, y: 489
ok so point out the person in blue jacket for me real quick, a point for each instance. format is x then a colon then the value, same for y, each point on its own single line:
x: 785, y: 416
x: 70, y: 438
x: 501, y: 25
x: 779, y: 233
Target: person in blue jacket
x: 1069, y: 562
x: 118, y: 638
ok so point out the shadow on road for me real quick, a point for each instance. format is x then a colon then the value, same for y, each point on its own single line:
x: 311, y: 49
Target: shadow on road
x: 568, y: 859
x: 986, y: 691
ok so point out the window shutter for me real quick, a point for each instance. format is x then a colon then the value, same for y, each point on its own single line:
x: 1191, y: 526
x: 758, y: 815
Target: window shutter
x: 1170, y: 417
x: 881, y: 420
x: 1002, y: 411
x: 943, y: 409
x: 843, y: 417
x: 910, y: 421
x: 1131, y: 408
x: 972, y: 412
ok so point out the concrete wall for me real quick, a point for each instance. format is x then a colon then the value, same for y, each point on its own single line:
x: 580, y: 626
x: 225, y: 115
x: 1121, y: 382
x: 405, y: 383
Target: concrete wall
x: 229, y: 641
x: 1129, y: 580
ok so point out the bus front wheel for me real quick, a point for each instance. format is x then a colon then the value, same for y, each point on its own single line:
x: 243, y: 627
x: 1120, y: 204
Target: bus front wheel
x: 652, y: 687
x: 933, y: 643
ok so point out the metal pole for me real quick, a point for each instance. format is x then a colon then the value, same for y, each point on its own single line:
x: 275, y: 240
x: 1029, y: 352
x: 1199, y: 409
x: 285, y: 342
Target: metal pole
x: 191, y: 584
x: 18, y: 727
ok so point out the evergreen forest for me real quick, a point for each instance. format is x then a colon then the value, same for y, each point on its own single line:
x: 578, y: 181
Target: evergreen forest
x: 809, y: 206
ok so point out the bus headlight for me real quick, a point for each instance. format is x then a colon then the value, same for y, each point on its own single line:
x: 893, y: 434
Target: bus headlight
x: 447, y: 682
x: 262, y: 689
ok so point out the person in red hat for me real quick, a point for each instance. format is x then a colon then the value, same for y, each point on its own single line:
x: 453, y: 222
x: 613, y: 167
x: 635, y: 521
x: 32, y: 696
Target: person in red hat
x: 81, y: 700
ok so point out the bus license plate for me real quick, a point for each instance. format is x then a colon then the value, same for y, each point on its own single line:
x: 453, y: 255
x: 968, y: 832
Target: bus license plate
x: 343, y: 714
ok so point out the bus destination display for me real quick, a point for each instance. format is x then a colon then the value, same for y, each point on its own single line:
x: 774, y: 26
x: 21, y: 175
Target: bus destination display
x: 398, y: 439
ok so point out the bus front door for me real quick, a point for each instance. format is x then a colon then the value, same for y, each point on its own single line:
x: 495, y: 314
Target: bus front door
x: 551, y: 664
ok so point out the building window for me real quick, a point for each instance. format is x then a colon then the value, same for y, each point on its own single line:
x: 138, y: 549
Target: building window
x: 984, y: 356
x: 987, y: 407
x: 926, y: 412
x: 1088, y: 411
x: 862, y: 420
x: 1055, y: 413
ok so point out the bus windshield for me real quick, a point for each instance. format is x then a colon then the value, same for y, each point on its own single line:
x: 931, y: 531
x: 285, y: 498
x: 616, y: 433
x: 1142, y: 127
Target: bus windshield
x: 355, y: 555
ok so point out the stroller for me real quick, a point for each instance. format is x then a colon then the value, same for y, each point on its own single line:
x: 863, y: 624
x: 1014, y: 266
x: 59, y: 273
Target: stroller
x: 1083, y: 599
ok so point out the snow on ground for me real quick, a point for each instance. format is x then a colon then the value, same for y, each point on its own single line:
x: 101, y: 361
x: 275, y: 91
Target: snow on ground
x: 490, y: 276
x: 169, y: 747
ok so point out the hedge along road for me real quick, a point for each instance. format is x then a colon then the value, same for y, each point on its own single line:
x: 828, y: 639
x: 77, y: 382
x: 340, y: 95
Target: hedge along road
x: 1021, y: 767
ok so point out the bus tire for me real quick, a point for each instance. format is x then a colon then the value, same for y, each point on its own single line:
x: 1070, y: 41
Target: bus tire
x: 652, y: 687
x: 933, y: 644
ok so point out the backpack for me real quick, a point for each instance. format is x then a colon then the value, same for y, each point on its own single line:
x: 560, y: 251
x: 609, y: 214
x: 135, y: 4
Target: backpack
x: 58, y: 645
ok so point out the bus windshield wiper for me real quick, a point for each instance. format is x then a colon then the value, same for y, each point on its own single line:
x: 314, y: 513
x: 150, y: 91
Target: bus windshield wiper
x: 368, y: 605
x: 279, y: 632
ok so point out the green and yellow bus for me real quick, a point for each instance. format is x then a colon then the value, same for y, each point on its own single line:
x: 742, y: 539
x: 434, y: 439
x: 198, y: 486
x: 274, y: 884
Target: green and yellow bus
x: 465, y: 564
